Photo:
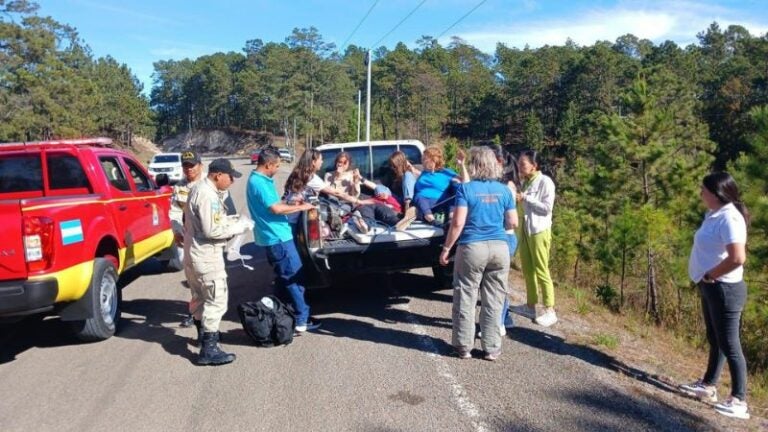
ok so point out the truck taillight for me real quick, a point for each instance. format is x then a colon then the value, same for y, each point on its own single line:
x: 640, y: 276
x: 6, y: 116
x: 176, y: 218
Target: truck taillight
x: 313, y: 229
x: 38, y: 242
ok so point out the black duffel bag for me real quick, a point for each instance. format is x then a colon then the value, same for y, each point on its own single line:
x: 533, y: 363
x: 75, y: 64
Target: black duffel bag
x: 269, y: 322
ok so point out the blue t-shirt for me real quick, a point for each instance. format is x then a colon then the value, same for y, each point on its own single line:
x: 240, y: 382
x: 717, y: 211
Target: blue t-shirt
x: 433, y: 185
x: 270, y: 228
x: 486, y: 202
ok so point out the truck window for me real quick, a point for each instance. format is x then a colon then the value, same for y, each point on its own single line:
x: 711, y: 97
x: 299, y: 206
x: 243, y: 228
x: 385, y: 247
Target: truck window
x: 381, y: 156
x: 412, y: 153
x: 111, y: 167
x: 22, y: 173
x: 139, y: 179
x: 65, y: 172
x: 329, y: 156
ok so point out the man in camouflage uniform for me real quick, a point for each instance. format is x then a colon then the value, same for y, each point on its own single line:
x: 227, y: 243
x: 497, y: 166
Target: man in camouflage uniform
x: 193, y: 172
x: 207, y: 227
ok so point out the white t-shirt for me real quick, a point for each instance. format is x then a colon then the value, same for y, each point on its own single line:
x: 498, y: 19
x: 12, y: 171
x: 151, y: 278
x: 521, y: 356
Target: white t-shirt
x: 316, y: 184
x: 719, y: 229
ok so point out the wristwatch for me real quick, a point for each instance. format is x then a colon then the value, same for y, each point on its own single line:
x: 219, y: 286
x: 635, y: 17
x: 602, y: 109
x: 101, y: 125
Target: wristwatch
x: 707, y: 278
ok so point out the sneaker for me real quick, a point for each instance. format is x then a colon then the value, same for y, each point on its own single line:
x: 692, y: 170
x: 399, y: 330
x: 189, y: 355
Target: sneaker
x: 462, y: 353
x: 407, y: 220
x: 524, y: 310
x: 733, y: 407
x: 360, y: 224
x: 187, y: 321
x: 492, y: 356
x: 700, y: 391
x: 310, y: 325
x: 546, y: 320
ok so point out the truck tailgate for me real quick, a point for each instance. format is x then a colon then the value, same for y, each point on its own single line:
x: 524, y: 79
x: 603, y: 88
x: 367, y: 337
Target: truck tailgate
x: 12, y: 262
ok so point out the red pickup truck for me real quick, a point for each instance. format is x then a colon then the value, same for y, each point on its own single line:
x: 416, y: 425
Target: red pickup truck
x: 75, y: 214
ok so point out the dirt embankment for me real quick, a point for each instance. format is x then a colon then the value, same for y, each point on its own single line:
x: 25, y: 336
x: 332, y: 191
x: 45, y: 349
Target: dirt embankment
x: 222, y: 142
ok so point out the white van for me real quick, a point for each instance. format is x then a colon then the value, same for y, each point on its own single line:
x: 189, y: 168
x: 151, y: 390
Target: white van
x: 166, y: 163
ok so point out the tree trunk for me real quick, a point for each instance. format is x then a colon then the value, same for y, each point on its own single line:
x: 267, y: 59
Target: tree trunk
x: 578, y: 259
x: 623, y: 276
x: 652, y: 302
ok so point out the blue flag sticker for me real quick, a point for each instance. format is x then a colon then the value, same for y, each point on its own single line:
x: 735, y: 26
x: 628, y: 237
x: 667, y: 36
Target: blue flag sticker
x: 71, y: 231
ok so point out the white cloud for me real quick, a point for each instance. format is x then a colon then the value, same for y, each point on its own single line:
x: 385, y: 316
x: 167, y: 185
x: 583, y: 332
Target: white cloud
x: 678, y: 21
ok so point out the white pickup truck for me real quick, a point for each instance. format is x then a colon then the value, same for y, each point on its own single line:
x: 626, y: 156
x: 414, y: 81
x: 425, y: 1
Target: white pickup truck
x: 327, y: 253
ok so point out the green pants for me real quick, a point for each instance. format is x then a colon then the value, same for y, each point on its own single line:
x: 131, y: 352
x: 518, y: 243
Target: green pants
x: 534, y: 256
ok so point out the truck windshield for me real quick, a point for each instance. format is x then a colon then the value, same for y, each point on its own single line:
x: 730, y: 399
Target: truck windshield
x: 166, y: 159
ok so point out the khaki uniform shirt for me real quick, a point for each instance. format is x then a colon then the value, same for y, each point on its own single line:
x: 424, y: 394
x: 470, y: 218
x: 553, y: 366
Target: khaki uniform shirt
x: 179, y: 201
x: 207, y: 229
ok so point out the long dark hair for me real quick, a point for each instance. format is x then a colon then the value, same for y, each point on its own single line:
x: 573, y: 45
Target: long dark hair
x: 508, y: 163
x: 724, y: 187
x: 302, y: 172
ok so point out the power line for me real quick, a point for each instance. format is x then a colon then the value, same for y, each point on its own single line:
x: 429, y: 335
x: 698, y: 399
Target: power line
x: 358, y: 25
x: 398, y: 24
x: 460, y: 19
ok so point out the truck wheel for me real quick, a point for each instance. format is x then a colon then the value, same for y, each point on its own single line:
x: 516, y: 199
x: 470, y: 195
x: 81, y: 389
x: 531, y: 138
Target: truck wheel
x: 105, y: 301
x: 443, y: 275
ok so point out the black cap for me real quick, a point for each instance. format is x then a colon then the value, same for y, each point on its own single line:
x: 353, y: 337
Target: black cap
x: 222, y: 165
x: 190, y: 157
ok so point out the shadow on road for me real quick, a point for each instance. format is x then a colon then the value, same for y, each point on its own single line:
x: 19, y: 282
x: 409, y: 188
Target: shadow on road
x: 602, y: 410
x: 557, y: 345
x: 152, y: 324
x: 33, y: 332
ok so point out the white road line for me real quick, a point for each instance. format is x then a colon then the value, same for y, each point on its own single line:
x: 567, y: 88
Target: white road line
x: 460, y: 397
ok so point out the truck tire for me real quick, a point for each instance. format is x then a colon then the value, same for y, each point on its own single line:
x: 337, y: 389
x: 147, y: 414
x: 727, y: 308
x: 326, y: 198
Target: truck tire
x: 443, y: 275
x: 105, y: 301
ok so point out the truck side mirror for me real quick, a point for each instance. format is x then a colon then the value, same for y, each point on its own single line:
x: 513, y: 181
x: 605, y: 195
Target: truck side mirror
x: 162, y: 180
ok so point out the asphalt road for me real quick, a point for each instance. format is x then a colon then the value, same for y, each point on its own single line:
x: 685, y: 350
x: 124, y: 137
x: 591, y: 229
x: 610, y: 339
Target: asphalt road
x: 381, y: 362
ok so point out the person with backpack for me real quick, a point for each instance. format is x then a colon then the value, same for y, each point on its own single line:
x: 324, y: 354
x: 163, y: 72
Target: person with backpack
x: 273, y: 231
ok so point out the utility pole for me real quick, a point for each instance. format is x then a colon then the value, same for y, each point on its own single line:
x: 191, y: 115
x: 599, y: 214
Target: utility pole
x: 359, y: 113
x: 368, y: 61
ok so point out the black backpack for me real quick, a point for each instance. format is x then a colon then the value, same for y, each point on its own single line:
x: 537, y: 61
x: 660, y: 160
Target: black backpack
x: 269, y: 322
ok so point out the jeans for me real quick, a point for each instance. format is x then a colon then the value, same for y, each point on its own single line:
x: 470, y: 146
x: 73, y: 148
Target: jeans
x: 722, y: 304
x: 284, y: 259
x: 378, y: 212
x: 506, y: 318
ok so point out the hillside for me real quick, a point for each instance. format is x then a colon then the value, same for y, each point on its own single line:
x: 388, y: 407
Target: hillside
x: 224, y: 141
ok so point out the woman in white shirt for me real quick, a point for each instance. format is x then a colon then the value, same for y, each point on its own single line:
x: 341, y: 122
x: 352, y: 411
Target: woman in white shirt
x: 536, y: 199
x: 716, y: 266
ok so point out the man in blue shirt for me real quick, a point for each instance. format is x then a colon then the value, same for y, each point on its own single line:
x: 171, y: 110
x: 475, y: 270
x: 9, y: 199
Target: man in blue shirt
x: 273, y: 231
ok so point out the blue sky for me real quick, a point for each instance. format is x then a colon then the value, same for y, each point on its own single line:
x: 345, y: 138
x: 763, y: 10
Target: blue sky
x: 140, y: 32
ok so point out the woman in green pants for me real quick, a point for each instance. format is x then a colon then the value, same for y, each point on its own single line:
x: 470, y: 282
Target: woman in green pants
x: 536, y: 199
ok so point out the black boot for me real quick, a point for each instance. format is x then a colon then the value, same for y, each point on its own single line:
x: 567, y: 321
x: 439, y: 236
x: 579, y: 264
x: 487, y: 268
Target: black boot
x: 211, y: 354
x: 199, y: 327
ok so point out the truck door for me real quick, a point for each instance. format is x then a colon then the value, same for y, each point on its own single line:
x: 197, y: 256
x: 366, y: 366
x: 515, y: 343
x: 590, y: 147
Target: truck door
x: 128, y: 210
x: 150, y: 216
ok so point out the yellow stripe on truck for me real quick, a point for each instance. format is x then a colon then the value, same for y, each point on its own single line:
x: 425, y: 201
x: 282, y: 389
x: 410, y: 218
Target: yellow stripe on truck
x: 73, y: 281
x: 144, y: 249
